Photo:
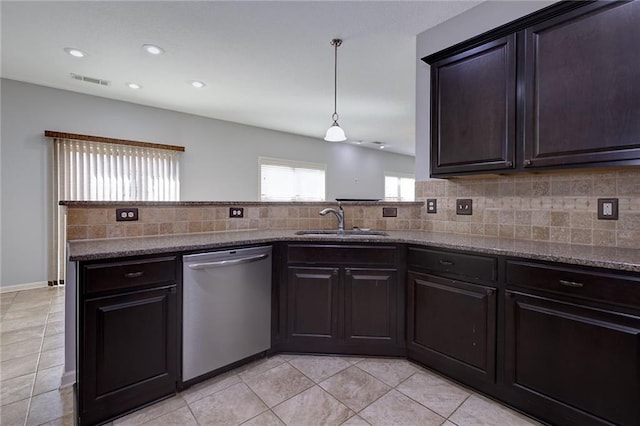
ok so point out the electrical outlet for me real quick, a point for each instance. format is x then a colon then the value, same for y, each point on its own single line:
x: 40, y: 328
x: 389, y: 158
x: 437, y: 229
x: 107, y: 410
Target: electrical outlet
x: 126, y: 215
x: 236, y: 212
x: 389, y: 212
x: 464, y: 206
x: 432, y: 205
x: 608, y: 208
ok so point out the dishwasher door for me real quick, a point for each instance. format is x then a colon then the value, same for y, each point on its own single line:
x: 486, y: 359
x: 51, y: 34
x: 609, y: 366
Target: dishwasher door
x: 226, y: 308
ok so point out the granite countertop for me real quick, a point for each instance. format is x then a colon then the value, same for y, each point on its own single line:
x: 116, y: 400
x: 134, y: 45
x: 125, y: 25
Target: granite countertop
x: 605, y: 257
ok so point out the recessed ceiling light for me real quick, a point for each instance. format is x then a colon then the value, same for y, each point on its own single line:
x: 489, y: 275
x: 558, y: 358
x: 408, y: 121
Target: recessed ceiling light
x: 358, y: 142
x: 198, y: 84
x: 76, y: 53
x: 134, y: 86
x: 381, y: 146
x: 153, y: 49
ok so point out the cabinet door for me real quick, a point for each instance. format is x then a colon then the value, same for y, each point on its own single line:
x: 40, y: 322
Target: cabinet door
x: 130, y: 352
x: 473, y: 104
x: 313, y: 303
x: 578, y: 363
x: 452, y: 327
x: 370, y: 306
x: 581, y: 87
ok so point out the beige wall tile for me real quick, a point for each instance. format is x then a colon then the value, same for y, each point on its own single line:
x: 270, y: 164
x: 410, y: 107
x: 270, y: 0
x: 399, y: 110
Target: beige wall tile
x: 560, y: 235
x: 581, y: 236
x: 150, y: 229
x: 581, y: 220
x: 629, y: 239
x: 559, y: 218
x: 77, y: 217
x: 99, y: 216
x: 582, y: 187
x: 560, y: 187
x: 604, y: 237
x: 541, y: 186
x: 77, y: 232
x: 540, y: 233
x: 97, y: 231
x: 133, y: 229
x: 116, y: 231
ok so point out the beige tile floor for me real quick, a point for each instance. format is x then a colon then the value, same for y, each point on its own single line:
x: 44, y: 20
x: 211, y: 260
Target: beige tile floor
x: 285, y: 389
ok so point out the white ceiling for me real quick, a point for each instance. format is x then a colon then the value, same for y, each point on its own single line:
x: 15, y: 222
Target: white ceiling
x: 265, y: 63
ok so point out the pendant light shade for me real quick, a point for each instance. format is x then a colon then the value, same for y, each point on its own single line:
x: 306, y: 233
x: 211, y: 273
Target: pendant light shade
x: 335, y: 132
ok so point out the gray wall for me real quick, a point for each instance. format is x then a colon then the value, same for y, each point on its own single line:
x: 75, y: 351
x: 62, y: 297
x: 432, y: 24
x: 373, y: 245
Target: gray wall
x: 220, y: 162
x: 482, y: 18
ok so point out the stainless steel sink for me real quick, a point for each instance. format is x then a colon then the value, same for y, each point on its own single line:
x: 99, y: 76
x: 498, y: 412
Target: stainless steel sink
x: 348, y: 233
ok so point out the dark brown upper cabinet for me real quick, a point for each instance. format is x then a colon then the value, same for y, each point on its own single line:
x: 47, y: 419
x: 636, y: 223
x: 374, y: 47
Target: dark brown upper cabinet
x: 473, y: 110
x: 556, y: 89
x: 582, y: 79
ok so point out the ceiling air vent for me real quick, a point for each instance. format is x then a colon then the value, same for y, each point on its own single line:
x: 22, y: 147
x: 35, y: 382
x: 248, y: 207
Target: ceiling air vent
x: 90, y: 79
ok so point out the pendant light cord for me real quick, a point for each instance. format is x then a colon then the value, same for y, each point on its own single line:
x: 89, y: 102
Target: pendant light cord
x: 335, y: 42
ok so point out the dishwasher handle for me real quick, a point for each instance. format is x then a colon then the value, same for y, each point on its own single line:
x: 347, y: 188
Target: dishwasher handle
x: 217, y: 264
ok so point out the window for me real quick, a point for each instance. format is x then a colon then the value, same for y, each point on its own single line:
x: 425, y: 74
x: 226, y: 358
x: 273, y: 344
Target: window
x: 399, y: 187
x: 284, y: 180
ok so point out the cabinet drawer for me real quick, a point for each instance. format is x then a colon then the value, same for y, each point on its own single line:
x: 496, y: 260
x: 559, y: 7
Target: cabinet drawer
x: 100, y: 277
x: 483, y: 268
x: 341, y: 254
x: 575, y: 282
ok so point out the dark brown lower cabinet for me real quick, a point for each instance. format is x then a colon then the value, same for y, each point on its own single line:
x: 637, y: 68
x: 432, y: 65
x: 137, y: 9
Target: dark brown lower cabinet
x: 370, y: 306
x: 572, y: 364
x: 343, y: 298
x: 451, y: 327
x: 128, y: 344
x: 313, y: 304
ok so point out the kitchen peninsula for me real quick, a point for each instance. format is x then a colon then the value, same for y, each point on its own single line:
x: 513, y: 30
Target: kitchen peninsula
x: 473, y: 308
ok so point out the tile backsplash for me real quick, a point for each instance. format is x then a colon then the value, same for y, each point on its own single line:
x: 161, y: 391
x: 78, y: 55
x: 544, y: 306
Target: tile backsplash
x: 91, y: 221
x: 559, y: 207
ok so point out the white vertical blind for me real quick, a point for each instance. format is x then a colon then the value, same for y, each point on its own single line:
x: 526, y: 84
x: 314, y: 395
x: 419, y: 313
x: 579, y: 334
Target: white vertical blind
x: 99, y: 171
x: 283, y: 180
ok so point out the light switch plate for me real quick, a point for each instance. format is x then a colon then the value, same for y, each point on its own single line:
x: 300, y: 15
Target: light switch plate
x: 464, y: 206
x: 608, y: 208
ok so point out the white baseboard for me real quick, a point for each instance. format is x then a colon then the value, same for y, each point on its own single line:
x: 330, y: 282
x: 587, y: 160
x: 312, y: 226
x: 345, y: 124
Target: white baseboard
x: 26, y: 286
x: 68, y: 379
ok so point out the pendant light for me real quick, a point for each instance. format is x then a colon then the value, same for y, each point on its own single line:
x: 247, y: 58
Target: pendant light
x: 335, y: 132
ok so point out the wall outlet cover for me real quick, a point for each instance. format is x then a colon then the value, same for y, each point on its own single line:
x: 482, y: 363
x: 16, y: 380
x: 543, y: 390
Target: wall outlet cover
x: 432, y: 205
x: 127, y: 215
x: 389, y: 212
x: 236, y: 212
x: 607, y: 208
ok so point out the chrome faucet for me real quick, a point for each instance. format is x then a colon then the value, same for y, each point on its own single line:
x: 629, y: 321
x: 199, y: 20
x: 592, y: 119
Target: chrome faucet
x: 339, y: 214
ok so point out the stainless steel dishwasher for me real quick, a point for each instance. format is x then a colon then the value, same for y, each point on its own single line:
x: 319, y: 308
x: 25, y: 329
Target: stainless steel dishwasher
x: 226, y: 308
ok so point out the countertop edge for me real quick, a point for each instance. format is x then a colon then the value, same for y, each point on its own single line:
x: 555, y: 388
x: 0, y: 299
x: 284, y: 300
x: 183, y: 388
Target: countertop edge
x: 229, y: 239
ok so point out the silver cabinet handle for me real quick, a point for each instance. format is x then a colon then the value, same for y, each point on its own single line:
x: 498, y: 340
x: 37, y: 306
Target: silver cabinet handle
x: 208, y: 265
x: 133, y: 274
x: 571, y: 284
x: 446, y: 262
x: 528, y: 162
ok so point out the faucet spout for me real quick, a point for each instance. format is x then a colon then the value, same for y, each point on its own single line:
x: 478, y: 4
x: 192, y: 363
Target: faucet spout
x: 339, y: 215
